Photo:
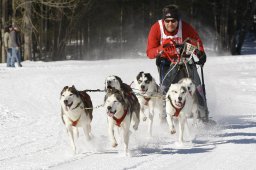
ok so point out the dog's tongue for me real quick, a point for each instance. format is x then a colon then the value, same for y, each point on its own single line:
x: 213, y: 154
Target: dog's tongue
x: 143, y: 91
x: 110, y: 114
x: 179, y: 104
x: 66, y: 108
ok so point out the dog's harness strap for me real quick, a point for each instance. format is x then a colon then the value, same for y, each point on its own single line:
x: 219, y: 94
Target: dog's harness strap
x: 177, y: 112
x: 91, y: 108
x: 77, y: 106
x: 131, y: 83
x: 119, y: 121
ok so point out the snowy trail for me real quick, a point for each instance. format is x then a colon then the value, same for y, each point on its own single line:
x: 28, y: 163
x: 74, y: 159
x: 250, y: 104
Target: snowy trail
x: 32, y: 135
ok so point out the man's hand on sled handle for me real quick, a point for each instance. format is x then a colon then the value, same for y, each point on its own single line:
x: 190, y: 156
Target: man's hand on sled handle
x: 192, y: 46
x: 168, y: 51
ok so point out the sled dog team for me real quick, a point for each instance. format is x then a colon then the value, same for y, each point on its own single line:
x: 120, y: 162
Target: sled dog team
x: 125, y: 108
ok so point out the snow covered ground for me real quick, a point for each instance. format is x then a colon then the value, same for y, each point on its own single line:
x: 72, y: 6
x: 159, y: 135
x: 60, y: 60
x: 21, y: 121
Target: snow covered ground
x: 32, y: 135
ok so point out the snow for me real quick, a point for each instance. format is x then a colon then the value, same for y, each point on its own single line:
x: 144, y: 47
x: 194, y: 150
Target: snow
x: 32, y: 135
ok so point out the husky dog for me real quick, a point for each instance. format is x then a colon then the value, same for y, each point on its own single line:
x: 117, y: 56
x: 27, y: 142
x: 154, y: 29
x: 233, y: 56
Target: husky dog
x: 178, y: 106
x: 113, y: 83
x: 197, y: 112
x: 120, y: 114
x: 150, y: 97
x: 76, y: 111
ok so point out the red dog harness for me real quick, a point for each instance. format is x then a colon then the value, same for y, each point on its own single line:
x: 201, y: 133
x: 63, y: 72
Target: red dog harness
x: 119, y: 121
x: 74, y: 123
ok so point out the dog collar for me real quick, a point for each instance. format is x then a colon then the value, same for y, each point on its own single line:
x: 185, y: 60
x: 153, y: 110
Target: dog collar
x: 77, y: 106
x: 119, y: 121
x: 177, y: 110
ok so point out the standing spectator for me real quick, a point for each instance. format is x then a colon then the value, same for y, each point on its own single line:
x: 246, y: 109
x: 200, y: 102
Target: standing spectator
x: 12, y: 46
x: 7, y: 46
x: 18, y: 42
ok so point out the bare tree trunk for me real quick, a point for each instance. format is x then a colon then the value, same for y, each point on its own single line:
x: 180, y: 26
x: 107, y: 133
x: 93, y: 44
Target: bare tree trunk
x: 27, y: 31
x: 88, y: 39
x: 13, y: 12
x: 80, y: 43
x: 3, y: 18
x: 216, y: 26
x: 121, y: 29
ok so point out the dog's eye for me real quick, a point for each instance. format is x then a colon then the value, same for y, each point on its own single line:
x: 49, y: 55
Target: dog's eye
x: 71, y: 95
x: 174, y: 91
x: 116, y: 102
x: 139, y: 81
x: 147, y: 81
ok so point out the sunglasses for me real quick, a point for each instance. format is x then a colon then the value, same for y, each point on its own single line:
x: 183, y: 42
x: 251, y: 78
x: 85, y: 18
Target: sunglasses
x: 170, y: 20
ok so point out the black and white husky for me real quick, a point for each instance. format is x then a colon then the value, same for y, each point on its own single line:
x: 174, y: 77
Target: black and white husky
x: 120, y: 115
x: 179, y: 106
x: 76, y: 111
x: 150, y: 97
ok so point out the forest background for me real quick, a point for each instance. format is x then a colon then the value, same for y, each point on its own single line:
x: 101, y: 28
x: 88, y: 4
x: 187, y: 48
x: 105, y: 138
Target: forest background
x: 101, y: 29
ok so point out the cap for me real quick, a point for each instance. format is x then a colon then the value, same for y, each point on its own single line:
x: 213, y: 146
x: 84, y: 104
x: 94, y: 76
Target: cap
x: 171, y: 11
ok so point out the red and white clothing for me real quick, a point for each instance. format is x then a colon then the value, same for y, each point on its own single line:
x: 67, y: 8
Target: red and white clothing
x: 158, y: 33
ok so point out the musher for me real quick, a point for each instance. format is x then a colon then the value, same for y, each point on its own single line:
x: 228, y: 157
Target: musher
x: 172, y: 30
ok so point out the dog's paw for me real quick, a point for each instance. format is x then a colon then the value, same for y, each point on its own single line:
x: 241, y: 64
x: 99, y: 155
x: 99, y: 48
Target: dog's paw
x: 135, y: 127
x: 114, y: 145
x: 173, y: 131
x: 163, y: 120
x: 144, y: 118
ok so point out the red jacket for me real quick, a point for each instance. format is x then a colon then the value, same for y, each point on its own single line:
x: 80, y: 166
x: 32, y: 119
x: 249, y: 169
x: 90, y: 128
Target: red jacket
x: 154, y: 38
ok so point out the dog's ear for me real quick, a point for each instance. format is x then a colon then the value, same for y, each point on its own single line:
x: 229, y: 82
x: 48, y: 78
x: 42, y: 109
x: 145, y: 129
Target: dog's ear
x: 148, y: 75
x: 74, y: 91
x: 119, y: 79
x: 64, y: 89
x: 180, y: 81
x: 139, y: 75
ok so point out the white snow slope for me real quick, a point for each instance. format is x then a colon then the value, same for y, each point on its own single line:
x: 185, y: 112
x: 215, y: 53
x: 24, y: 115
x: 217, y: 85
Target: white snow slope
x: 32, y: 135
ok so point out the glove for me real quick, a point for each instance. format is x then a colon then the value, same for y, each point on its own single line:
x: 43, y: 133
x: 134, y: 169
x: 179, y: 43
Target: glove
x: 167, y: 47
x: 201, y: 56
x: 167, y: 42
